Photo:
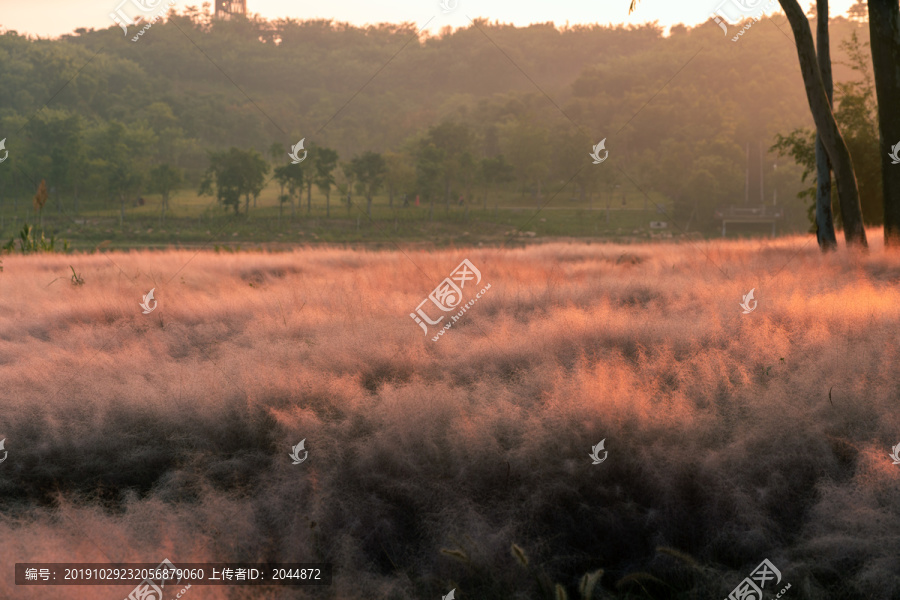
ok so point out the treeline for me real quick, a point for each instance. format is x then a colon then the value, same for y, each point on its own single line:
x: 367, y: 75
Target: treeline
x: 103, y: 119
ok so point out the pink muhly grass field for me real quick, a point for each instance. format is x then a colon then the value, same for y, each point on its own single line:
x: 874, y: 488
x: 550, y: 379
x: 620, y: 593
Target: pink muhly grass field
x: 134, y: 437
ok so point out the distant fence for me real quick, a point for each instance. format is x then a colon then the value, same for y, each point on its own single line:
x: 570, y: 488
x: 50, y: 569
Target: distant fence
x: 749, y: 214
x: 759, y: 214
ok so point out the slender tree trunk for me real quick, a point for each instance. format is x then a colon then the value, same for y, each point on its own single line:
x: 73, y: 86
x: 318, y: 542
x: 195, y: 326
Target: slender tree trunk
x: 309, y: 199
x: 369, y: 205
x: 390, y: 196
x: 824, y: 218
x: 328, y: 204
x: 691, y: 218
x: 835, y: 146
x: 884, y: 37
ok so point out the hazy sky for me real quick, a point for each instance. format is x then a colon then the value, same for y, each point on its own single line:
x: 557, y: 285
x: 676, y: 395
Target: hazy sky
x: 54, y: 17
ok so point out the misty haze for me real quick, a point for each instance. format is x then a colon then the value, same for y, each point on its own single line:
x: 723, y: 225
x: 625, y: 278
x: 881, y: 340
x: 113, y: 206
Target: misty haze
x: 413, y: 311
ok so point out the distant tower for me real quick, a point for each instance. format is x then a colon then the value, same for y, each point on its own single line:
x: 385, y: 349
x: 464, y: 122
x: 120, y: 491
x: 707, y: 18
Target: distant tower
x: 226, y: 8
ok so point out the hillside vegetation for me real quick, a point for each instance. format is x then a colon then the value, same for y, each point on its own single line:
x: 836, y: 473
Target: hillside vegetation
x: 94, y: 114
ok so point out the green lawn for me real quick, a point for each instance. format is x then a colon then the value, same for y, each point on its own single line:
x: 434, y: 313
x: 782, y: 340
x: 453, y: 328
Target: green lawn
x: 199, y: 220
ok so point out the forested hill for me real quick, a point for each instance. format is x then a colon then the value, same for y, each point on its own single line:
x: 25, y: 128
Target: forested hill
x: 678, y: 110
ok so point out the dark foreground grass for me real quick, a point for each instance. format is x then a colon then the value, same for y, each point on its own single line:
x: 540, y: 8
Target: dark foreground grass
x: 461, y: 463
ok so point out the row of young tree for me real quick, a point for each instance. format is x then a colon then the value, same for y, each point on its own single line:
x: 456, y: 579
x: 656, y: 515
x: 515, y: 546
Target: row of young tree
x: 82, y: 160
x: 120, y: 163
x: 441, y: 160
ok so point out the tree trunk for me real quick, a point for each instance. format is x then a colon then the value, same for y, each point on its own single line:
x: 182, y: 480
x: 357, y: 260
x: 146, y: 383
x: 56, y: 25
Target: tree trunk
x: 328, y: 204
x: 691, y: 218
x: 247, y: 204
x: 369, y: 205
x: 838, y: 154
x: 824, y: 217
x: 309, y: 198
x: 884, y: 38
x: 390, y: 196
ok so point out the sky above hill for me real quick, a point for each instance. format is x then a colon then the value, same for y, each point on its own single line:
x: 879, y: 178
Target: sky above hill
x: 55, y: 17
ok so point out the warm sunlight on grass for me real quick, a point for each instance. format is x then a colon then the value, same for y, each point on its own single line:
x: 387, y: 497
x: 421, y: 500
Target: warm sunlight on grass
x: 732, y: 438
